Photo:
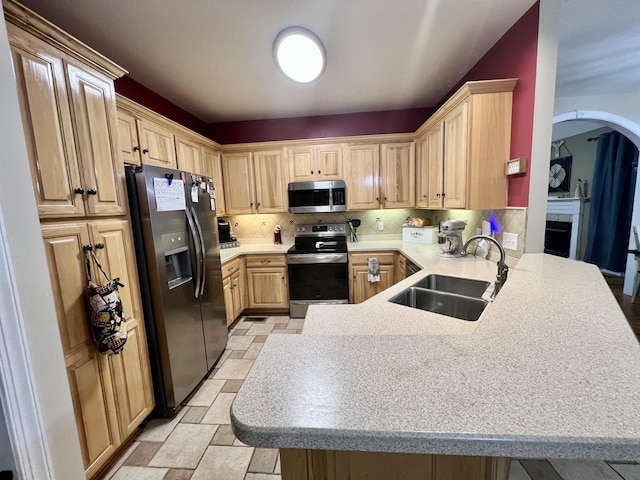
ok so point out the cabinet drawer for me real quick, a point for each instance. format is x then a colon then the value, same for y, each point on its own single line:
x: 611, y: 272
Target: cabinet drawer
x: 254, y: 261
x: 230, y: 267
x: 385, y: 258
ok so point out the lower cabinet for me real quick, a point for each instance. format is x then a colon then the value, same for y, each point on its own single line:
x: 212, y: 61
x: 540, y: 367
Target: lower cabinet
x: 401, y: 267
x: 360, y: 288
x: 111, y: 395
x: 267, y: 281
x: 233, y: 288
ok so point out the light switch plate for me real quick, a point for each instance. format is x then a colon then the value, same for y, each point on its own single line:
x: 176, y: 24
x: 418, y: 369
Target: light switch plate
x: 510, y: 241
x: 516, y: 166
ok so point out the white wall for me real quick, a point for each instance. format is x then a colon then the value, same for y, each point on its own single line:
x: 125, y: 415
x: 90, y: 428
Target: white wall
x: 542, y: 122
x: 29, y: 294
x: 6, y: 454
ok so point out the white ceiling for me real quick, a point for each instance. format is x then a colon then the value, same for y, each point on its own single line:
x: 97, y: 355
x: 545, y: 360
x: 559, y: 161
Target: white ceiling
x: 598, y: 47
x: 213, y: 57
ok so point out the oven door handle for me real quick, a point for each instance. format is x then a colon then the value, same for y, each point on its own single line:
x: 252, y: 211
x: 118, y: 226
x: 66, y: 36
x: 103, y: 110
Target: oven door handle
x: 311, y: 258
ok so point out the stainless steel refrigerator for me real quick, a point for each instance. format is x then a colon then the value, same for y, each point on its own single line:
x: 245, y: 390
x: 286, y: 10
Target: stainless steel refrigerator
x: 178, y: 254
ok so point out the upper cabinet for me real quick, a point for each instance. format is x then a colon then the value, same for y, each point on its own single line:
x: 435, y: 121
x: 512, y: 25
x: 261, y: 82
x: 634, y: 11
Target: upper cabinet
x: 188, y: 155
x: 157, y: 144
x: 398, y: 175
x: 380, y: 176
x: 255, y: 182
x: 70, y: 127
x: 466, y: 145
x: 315, y: 163
x: 362, y: 172
x: 212, y: 167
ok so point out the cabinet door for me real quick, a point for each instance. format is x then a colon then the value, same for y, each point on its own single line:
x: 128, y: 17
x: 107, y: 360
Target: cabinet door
x: 188, y: 156
x: 434, y: 158
x: 48, y: 130
x: 237, y: 291
x: 399, y: 175
x: 401, y: 268
x: 268, y: 287
x: 228, y: 300
x: 212, y: 167
x: 422, y: 174
x: 238, y: 183
x: 362, y: 169
x: 302, y: 164
x: 157, y: 143
x: 88, y: 371
x: 94, y: 107
x: 131, y: 373
x: 271, y: 182
x: 362, y: 289
x: 455, y: 156
x: 128, y: 144
x: 94, y: 407
x: 329, y: 162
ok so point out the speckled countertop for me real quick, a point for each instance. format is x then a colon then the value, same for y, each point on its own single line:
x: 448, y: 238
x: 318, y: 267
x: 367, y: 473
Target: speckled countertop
x: 227, y: 254
x: 552, y: 369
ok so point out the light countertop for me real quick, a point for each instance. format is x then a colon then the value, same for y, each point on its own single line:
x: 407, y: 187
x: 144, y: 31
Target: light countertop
x: 551, y: 369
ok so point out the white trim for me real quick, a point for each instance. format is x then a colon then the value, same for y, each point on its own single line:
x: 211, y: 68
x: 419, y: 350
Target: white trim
x: 631, y: 130
x: 17, y: 390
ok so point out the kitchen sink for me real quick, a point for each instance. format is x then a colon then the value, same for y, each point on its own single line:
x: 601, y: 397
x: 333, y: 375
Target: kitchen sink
x: 444, y: 303
x: 461, y: 286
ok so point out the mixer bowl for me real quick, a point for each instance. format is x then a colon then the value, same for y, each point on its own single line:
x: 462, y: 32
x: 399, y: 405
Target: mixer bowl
x: 450, y: 244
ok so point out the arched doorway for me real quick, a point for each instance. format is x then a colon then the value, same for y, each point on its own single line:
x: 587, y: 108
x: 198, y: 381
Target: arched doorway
x: 632, y: 131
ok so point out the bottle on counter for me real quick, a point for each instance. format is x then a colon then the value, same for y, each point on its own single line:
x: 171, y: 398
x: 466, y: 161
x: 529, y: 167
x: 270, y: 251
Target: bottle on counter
x: 277, y: 235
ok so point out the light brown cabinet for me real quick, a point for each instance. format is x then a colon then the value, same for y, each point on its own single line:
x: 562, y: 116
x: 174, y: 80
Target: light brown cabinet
x: 267, y: 281
x: 69, y: 120
x: 380, y: 176
x: 233, y: 288
x: 401, y: 267
x: 315, y: 163
x: 111, y: 395
x: 466, y: 147
x: 360, y: 288
x: 212, y: 167
x: 144, y: 141
x: 362, y: 175
x: 188, y: 155
x: 398, y: 175
x: 255, y: 182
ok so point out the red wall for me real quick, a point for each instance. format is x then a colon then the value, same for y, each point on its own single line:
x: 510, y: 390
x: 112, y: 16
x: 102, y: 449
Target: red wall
x: 139, y: 93
x: 514, y: 56
x: 368, y: 123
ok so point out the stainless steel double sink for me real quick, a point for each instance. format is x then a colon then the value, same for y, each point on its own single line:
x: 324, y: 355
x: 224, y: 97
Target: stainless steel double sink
x: 451, y: 296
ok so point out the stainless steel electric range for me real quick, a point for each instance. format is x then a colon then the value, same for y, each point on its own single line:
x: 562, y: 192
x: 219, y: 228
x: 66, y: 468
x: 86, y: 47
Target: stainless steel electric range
x: 318, y: 267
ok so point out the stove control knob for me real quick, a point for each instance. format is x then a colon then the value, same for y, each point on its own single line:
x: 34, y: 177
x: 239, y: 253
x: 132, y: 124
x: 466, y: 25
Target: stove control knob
x: 303, y: 229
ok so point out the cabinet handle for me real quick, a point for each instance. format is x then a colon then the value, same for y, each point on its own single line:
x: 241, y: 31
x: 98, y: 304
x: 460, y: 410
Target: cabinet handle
x: 438, y: 195
x: 259, y: 204
x: 385, y: 199
x: 424, y: 196
x: 87, y: 248
x: 264, y: 262
x: 443, y: 194
x: 377, y: 199
x: 136, y: 148
x: 78, y: 190
x: 229, y: 269
x: 283, y: 278
x: 99, y: 246
x: 251, y: 204
x: 319, y: 172
x: 311, y: 172
x: 92, y: 191
x: 145, y: 151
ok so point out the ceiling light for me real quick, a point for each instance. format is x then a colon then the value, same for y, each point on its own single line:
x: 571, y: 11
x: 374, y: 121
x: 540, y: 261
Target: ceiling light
x: 299, y: 54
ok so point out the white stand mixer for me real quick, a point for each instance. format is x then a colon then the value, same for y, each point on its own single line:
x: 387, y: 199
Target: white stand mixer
x: 450, y: 238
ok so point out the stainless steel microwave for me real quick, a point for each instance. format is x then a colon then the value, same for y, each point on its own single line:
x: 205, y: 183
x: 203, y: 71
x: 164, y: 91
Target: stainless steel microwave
x: 317, y: 197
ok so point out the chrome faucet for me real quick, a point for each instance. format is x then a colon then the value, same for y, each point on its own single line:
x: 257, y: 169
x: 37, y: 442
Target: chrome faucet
x: 503, y: 269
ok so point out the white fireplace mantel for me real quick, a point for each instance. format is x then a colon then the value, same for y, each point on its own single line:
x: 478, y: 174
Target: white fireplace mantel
x: 575, y: 207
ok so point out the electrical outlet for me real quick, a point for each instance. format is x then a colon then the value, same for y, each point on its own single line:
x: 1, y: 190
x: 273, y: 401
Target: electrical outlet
x: 510, y: 241
x: 380, y: 226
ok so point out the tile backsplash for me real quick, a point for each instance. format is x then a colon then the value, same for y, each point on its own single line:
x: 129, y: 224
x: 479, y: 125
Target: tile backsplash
x: 259, y: 228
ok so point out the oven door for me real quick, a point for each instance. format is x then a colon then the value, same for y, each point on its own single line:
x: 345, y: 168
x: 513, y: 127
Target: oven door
x: 317, y: 278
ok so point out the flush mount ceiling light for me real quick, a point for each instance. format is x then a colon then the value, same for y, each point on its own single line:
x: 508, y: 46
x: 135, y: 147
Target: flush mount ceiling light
x: 299, y: 54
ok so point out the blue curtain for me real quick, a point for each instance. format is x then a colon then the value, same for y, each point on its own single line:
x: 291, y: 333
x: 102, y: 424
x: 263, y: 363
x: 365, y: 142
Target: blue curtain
x: 612, y: 189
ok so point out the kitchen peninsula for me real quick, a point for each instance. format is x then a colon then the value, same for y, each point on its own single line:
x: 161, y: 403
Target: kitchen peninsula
x: 549, y: 370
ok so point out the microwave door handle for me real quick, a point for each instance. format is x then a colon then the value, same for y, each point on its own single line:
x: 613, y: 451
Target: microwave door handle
x: 196, y: 242
x: 202, y: 250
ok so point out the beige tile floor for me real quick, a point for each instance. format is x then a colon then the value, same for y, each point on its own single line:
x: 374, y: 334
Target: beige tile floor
x: 198, y: 443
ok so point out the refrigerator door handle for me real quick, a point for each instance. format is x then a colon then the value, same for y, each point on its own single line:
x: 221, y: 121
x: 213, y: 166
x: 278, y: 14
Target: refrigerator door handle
x: 202, y: 252
x: 196, y: 242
